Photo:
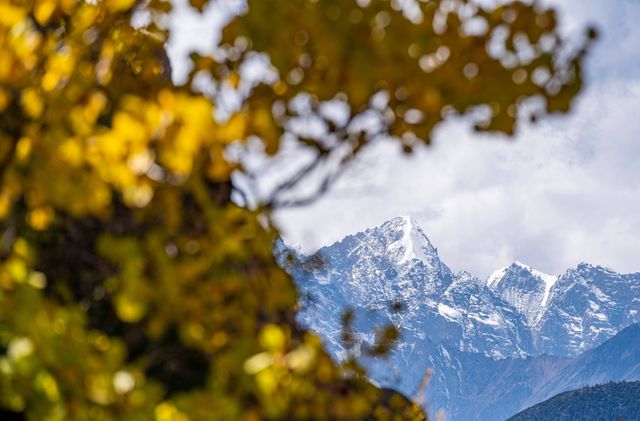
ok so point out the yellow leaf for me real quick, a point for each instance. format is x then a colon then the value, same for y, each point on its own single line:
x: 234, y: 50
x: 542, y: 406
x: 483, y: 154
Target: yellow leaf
x: 43, y: 11
x: 120, y: 5
x: 130, y: 308
x: 273, y: 338
x: 258, y: 363
x: 99, y: 389
x: 138, y: 195
x: 23, y: 149
x: 267, y: 381
x: 32, y: 103
x: 166, y: 411
x: 234, y: 129
x: 40, y: 218
x: 70, y: 151
x: 300, y: 359
x: 37, y: 280
x: 11, y: 14
x: 47, y: 384
x: 17, y: 269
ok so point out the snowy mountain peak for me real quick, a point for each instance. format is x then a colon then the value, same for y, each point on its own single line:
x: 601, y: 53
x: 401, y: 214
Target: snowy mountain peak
x: 588, y: 267
x: 414, y: 241
x: 525, y: 288
x: 498, y: 276
x: 549, y: 280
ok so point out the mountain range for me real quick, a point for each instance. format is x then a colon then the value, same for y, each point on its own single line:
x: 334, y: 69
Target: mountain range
x: 489, y: 348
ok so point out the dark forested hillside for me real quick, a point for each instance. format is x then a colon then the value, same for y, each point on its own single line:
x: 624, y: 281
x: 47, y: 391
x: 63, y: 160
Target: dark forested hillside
x: 616, y: 401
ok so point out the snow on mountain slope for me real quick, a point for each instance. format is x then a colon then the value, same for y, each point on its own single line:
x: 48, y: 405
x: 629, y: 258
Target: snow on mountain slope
x: 489, y: 325
x: 414, y: 242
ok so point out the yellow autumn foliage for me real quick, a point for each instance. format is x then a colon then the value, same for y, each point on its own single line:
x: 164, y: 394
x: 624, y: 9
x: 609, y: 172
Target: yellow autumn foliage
x: 132, y: 286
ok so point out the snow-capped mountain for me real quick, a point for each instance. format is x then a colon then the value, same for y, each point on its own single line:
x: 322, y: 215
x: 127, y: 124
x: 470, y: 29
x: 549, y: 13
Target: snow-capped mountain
x: 524, y: 288
x: 393, y: 274
x: 454, y: 324
x: 571, y: 313
x: 587, y: 305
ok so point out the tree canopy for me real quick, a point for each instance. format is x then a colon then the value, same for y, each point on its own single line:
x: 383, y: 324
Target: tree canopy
x: 132, y: 286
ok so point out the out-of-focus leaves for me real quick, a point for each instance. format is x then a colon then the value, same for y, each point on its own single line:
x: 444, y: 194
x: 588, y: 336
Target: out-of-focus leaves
x: 436, y: 57
x: 131, y: 286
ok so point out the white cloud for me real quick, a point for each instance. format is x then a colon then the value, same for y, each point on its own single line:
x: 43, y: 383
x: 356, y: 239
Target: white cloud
x: 565, y: 191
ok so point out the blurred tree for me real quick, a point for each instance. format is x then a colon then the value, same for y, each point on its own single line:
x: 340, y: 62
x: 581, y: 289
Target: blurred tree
x: 132, y: 286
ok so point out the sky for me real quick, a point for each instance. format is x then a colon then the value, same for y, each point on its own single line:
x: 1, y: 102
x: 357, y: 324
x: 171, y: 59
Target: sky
x: 563, y: 191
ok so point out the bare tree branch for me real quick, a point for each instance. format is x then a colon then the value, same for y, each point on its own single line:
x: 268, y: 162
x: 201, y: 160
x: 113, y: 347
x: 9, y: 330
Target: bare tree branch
x: 293, y: 181
x: 322, y: 189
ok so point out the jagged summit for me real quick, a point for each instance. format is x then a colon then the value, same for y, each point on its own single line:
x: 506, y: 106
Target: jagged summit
x: 394, y: 260
x: 413, y: 241
x: 399, y: 240
x: 467, y: 276
x: 525, y: 288
x: 494, y: 279
x: 583, y: 266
